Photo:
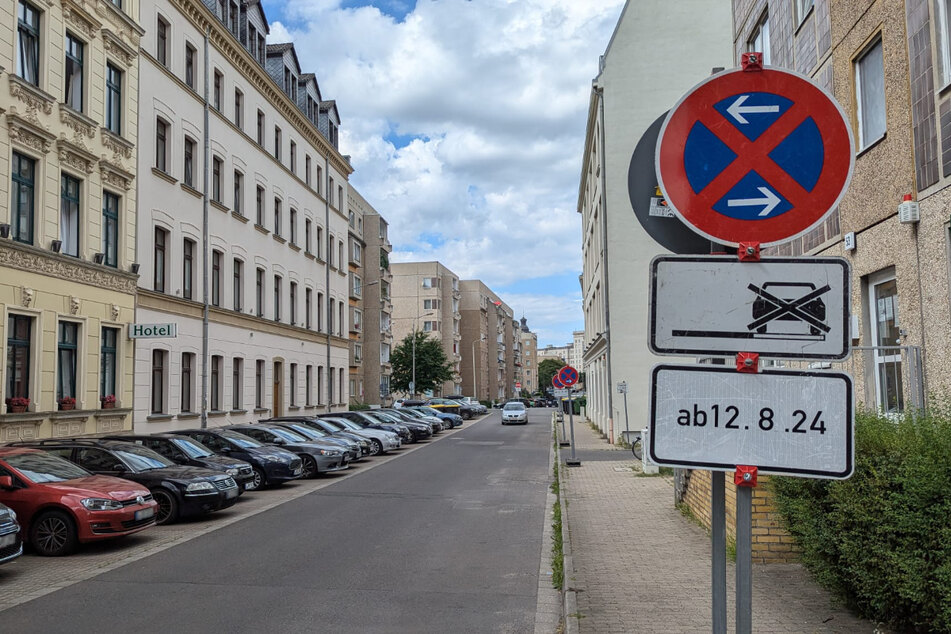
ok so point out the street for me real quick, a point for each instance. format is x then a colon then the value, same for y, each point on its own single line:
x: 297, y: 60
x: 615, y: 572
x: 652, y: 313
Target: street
x: 445, y: 538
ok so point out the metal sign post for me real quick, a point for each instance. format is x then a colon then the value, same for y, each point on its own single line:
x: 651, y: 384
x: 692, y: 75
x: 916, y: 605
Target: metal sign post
x: 622, y: 388
x: 568, y: 377
x: 560, y: 391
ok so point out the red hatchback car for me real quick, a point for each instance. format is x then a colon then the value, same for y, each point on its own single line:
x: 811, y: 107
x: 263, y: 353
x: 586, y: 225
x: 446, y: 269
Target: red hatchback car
x: 60, y: 504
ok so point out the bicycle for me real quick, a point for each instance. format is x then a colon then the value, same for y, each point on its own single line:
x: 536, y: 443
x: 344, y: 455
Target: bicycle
x: 637, y: 447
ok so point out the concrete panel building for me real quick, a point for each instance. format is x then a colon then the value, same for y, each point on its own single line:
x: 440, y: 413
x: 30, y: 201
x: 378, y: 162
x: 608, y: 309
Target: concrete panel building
x: 68, y: 138
x: 529, y: 368
x: 488, y: 339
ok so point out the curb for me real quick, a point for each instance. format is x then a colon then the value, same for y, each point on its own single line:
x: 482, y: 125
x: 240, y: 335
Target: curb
x: 570, y: 604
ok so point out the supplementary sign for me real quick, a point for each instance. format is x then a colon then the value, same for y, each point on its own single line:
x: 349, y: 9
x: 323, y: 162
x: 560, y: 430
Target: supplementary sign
x: 622, y: 387
x: 778, y: 307
x: 754, y: 156
x: 153, y: 331
x: 561, y: 393
x: 782, y: 421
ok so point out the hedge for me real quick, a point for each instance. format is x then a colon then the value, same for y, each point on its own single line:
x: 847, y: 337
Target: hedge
x: 881, y: 540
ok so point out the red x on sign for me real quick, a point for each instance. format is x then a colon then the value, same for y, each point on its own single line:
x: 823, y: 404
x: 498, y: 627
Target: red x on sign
x: 754, y: 156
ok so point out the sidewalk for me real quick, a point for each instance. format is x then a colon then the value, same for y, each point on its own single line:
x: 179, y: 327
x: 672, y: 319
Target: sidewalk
x: 641, y: 566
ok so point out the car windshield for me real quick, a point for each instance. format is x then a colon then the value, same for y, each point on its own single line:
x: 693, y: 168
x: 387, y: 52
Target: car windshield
x: 141, y: 458
x: 192, y: 448
x: 513, y: 406
x: 349, y: 424
x: 287, y: 434
x: 428, y: 410
x: 411, y: 413
x: 308, y: 432
x: 245, y: 442
x: 43, y: 467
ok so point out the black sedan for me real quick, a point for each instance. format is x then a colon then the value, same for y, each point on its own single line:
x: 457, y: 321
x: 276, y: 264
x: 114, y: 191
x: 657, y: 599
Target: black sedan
x: 178, y: 490
x: 351, y: 449
x: 315, y: 423
x: 188, y: 451
x: 419, y: 429
x: 316, y: 457
x: 269, y: 465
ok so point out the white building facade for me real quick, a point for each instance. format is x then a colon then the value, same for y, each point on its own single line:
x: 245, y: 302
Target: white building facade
x: 647, y: 66
x: 275, y: 246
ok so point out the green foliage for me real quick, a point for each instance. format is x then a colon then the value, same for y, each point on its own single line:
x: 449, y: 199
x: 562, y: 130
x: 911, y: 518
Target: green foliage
x: 547, y: 369
x: 357, y: 406
x: 384, y: 260
x: 432, y: 366
x: 881, y: 540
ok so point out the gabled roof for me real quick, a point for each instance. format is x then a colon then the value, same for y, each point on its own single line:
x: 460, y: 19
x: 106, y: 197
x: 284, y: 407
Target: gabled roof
x: 260, y: 7
x: 327, y: 106
x: 306, y: 78
x: 274, y: 50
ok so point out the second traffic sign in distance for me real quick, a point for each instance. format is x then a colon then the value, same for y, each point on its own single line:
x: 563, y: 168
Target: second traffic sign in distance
x: 781, y: 421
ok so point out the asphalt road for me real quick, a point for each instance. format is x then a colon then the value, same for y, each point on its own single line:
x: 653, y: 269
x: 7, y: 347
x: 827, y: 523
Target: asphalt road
x: 444, y: 539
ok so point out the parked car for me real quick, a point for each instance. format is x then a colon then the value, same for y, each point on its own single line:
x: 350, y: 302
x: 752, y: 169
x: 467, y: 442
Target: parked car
x: 188, y: 451
x: 380, y: 441
x: 11, y: 540
x: 429, y: 418
x: 467, y: 409
x: 353, y: 449
x: 403, y: 415
x: 418, y: 429
x: 270, y: 466
x: 316, y: 457
x: 514, y: 412
x: 178, y: 490
x: 446, y: 405
x: 454, y: 419
x: 59, y: 504
x: 313, y: 423
x: 365, y: 421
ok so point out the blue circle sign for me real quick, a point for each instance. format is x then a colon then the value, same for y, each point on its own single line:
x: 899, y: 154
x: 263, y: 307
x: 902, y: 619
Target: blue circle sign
x: 568, y: 376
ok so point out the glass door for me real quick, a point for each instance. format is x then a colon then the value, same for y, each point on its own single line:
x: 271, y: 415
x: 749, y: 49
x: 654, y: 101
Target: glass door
x: 886, y: 337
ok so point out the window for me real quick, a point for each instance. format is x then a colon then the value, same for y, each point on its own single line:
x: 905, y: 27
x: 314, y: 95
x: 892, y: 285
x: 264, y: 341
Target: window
x: 110, y: 228
x: 330, y: 192
x: 259, y: 292
x: 215, y: 383
x: 357, y: 253
x: 340, y: 385
x: 216, y: 179
x: 259, y: 205
x: 161, y: 145
x: 358, y: 352
x: 357, y: 319
x: 430, y: 326
x: 161, y: 42
x: 260, y: 128
x: 330, y: 385
x: 113, y: 99
x: 802, y: 9
x: 107, y: 361
x: 236, y: 291
x: 238, y: 108
x: 308, y: 383
x: 189, y: 172
x: 19, y: 341
x: 320, y: 312
x: 28, y: 51
x: 66, y: 355
x: 24, y: 173
x: 74, y: 73
x: 759, y: 39
x: 384, y: 353
x: 277, y: 297
x: 293, y: 314
x: 216, y: 277
x: 870, y: 95
x: 233, y: 16
x: 340, y: 322
x: 238, y: 193
x: 431, y: 304
x: 320, y: 384
x: 942, y: 10
x: 307, y: 169
x: 188, y: 381
x: 307, y: 235
x: 430, y: 282
x: 320, y: 243
x: 293, y: 386
x: 253, y: 41
x: 293, y: 226
x: 259, y: 384
x: 320, y: 176
x: 277, y: 216
x: 340, y: 201
x: 277, y: 143
x: 190, y: 54
x: 293, y: 158
x: 188, y: 268
x: 216, y: 94
x: 69, y: 215
x: 237, y: 380
x: 330, y: 250
x: 308, y: 307
x: 356, y: 287
x: 330, y: 318
x: 159, y: 260
x: 886, y: 331
x: 340, y: 254
x: 158, y: 382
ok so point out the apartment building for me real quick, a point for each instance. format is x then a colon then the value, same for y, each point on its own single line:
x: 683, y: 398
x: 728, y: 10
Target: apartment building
x: 647, y: 66
x: 488, y: 339
x: 371, y: 306
x: 243, y: 232
x: 558, y: 353
x: 426, y: 297
x: 528, y: 376
x: 68, y: 138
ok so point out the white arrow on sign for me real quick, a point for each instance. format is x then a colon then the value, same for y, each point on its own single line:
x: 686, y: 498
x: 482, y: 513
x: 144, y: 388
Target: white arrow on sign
x: 737, y: 109
x: 769, y: 201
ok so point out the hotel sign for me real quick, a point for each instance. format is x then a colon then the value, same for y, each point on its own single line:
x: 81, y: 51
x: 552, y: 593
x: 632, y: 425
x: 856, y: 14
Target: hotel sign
x: 153, y: 331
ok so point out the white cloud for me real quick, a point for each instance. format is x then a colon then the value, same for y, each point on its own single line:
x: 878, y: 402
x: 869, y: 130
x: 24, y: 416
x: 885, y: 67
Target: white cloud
x: 494, y: 95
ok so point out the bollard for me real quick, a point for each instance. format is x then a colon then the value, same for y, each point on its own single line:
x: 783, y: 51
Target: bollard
x: 646, y: 464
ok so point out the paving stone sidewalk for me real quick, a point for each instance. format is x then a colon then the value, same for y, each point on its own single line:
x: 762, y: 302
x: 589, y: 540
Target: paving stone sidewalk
x: 641, y: 566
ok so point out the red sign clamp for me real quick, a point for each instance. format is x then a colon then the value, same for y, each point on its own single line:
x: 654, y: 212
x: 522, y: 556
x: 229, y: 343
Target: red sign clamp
x: 745, y: 476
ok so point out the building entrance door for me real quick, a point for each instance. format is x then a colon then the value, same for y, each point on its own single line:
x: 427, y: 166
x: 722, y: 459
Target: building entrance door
x: 278, y: 396
x: 886, y: 361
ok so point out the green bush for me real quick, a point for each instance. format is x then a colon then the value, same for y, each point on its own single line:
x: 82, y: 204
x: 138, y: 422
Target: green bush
x: 881, y: 540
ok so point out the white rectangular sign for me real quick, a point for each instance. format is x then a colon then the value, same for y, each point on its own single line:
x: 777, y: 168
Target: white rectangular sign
x: 563, y: 393
x: 793, y: 308
x: 153, y: 331
x: 781, y: 421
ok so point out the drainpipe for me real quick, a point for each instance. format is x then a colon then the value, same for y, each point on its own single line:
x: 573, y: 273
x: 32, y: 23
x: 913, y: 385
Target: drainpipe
x: 604, y: 264
x: 204, y: 251
x: 330, y: 317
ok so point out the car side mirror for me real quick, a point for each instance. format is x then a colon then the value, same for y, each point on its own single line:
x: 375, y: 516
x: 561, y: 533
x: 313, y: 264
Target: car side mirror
x: 6, y: 482
x: 119, y: 468
x: 279, y: 441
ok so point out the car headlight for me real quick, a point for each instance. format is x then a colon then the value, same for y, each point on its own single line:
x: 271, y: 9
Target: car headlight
x: 194, y: 487
x: 12, y: 514
x: 329, y: 452
x: 101, y: 504
x: 271, y: 458
x: 233, y: 472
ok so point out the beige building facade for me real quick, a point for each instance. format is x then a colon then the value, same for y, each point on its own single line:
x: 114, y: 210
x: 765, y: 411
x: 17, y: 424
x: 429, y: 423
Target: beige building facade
x: 68, y: 138
x: 489, y: 341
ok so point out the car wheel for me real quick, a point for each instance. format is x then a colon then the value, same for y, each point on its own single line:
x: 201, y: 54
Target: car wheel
x: 376, y: 447
x: 53, y: 534
x: 257, y: 479
x: 309, y: 466
x: 167, y: 511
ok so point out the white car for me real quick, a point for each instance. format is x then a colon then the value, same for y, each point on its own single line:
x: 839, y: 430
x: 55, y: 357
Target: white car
x: 514, y: 412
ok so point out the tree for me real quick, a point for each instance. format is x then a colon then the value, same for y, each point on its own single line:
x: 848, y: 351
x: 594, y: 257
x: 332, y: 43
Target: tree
x: 547, y: 369
x: 432, y: 366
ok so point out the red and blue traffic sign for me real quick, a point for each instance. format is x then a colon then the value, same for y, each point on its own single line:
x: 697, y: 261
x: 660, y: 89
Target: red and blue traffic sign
x: 568, y: 376
x: 556, y: 382
x: 754, y: 156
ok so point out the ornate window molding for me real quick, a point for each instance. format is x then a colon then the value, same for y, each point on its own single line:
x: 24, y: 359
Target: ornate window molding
x: 80, y: 19
x: 121, y: 148
x: 27, y: 134
x: 79, y: 123
x: 34, y: 260
x: 117, y: 48
x: 115, y: 176
x: 76, y: 157
x: 34, y: 98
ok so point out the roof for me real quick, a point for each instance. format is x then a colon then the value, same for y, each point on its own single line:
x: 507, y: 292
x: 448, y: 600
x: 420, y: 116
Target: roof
x: 260, y: 7
x: 280, y: 49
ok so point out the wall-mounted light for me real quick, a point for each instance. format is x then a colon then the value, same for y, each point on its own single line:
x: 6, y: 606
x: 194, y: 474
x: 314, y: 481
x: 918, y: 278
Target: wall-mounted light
x: 135, y: 268
x: 98, y: 257
x: 56, y: 246
x: 4, y: 230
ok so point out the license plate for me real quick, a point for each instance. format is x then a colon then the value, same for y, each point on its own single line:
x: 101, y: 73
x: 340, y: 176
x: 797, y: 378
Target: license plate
x: 144, y: 514
x: 231, y: 493
x: 8, y: 540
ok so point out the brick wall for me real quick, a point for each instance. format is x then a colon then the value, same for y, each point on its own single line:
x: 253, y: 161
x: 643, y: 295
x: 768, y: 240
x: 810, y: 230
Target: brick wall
x: 771, y: 544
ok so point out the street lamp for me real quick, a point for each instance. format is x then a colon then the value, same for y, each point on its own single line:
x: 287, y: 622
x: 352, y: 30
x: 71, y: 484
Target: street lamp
x: 475, y: 390
x: 412, y: 384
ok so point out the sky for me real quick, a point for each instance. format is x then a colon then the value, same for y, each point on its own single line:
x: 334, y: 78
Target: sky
x: 464, y: 121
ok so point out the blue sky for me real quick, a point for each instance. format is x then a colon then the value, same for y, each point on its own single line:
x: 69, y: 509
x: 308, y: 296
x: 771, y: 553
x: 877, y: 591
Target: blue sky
x: 464, y: 121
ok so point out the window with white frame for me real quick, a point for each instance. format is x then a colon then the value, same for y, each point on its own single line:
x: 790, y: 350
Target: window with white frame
x: 431, y: 304
x: 430, y: 326
x: 870, y: 95
x: 759, y: 39
x: 802, y: 8
x: 942, y: 27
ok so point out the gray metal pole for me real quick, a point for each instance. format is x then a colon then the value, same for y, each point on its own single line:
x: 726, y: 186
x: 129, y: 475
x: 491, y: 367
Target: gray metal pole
x: 627, y: 430
x: 329, y: 245
x: 204, y: 251
x: 744, y: 560
x: 573, y: 461
x: 718, y: 553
